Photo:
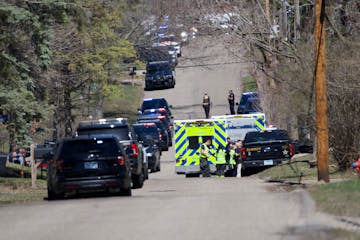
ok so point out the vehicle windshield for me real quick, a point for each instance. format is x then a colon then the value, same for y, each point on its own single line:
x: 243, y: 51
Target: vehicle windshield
x: 266, y: 136
x: 121, y: 132
x: 245, y: 97
x: 159, y: 68
x: 153, y: 104
x: 98, y: 147
x: 142, y: 130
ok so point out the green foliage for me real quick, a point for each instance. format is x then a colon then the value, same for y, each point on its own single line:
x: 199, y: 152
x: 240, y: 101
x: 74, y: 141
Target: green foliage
x: 43, y: 44
x: 249, y: 84
x: 25, y: 52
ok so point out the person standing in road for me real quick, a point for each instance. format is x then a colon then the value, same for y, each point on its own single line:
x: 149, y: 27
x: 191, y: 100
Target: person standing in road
x: 220, y: 161
x: 206, y: 105
x: 204, y: 156
x: 228, y: 149
x: 238, y: 158
x: 231, y: 100
x: 232, y: 161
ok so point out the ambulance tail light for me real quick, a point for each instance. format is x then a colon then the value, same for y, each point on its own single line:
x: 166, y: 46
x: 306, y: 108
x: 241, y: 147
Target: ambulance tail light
x: 243, y: 153
x: 292, y: 149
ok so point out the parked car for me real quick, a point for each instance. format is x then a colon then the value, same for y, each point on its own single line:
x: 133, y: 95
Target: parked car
x: 161, y: 112
x: 163, y: 119
x: 149, y: 135
x: 266, y: 148
x: 155, y: 103
x: 252, y: 106
x: 124, y: 132
x: 164, y: 137
x: 89, y: 163
x: 243, y: 100
x: 159, y: 75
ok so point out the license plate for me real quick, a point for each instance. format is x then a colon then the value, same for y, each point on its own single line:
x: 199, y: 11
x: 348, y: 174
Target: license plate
x: 268, y: 162
x: 91, y: 165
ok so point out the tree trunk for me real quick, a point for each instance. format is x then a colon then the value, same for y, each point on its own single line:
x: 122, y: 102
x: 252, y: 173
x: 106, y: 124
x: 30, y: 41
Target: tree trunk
x: 284, y: 18
x: 67, y: 112
x: 296, y: 20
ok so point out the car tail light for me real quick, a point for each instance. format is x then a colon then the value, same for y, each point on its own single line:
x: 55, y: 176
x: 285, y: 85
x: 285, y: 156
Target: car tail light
x: 292, y: 149
x: 160, y: 135
x: 121, y: 160
x: 59, y: 164
x: 162, y: 110
x: 243, y: 152
x: 135, y: 150
x: 161, y: 117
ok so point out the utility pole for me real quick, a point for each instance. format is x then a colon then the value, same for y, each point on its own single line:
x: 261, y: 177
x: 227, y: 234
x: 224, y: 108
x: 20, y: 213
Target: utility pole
x: 321, y: 93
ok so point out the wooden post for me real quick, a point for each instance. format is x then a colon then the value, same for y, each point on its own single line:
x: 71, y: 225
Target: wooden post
x: 33, y: 166
x: 321, y: 93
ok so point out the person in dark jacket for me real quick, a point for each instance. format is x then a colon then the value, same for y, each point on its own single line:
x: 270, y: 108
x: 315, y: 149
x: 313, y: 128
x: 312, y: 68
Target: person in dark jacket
x: 231, y: 100
x: 206, y: 105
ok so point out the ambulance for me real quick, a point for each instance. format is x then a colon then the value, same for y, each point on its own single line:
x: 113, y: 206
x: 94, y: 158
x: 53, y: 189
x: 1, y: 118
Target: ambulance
x: 190, y: 134
x: 236, y: 126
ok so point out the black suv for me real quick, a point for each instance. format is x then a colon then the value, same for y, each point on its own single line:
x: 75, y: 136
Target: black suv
x: 163, y: 119
x: 149, y: 134
x: 164, y: 136
x: 124, y: 132
x: 155, y: 103
x: 88, y: 163
x: 159, y: 75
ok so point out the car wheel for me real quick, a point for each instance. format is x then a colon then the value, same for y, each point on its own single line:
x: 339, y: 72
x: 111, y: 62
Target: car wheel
x: 138, y: 181
x: 125, y: 192
x: 158, y: 169
x: 146, y: 173
x: 53, y: 196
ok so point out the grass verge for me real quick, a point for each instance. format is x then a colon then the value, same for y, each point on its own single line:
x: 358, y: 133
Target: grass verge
x: 338, y: 198
x: 14, y: 189
x: 291, y: 172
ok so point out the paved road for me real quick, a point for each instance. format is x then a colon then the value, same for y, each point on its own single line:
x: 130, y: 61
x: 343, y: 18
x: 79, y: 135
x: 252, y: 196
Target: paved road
x: 169, y: 206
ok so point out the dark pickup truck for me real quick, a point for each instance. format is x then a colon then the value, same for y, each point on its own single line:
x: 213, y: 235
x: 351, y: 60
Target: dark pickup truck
x: 266, y: 148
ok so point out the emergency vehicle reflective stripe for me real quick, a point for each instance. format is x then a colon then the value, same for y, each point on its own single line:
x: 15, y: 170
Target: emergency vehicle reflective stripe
x: 260, y: 124
x: 220, y: 135
x: 181, y: 142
